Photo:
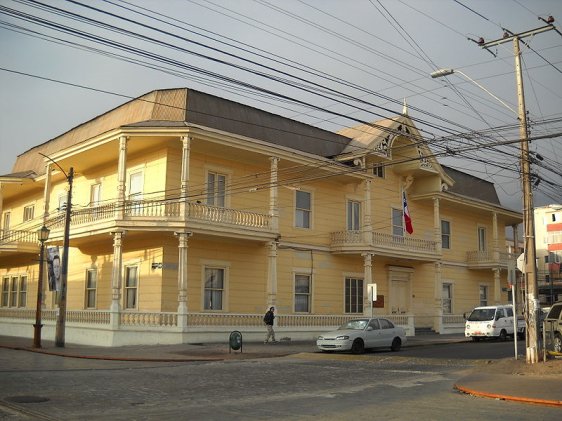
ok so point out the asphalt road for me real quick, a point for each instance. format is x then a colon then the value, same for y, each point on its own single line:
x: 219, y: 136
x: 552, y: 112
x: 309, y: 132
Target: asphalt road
x: 316, y: 386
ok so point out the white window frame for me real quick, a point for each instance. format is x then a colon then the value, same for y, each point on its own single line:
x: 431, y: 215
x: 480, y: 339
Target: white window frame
x: 61, y: 199
x: 354, y: 301
x: 397, y: 229
x: 127, y: 288
x: 446, y: 235
x: 216, y: 196
x: 353, y: 211
x: 6, y: 222
x: 212, y: 266
x: 28, y: 213
x: 22, y: 291
x: 482, y: 239
x: 95, y: 194
x: 303, y: 216
x: 14, y: 291
x: 483, y: 298
x: 5, y: 300
x: 89, y: 289
x: 299, y: 294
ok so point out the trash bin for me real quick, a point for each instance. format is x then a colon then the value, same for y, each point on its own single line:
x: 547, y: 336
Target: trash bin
x: 235, y: 341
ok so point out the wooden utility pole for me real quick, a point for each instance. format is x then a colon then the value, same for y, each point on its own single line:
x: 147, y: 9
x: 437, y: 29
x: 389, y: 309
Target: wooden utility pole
x: 532, y: 302
x: 61, y: 317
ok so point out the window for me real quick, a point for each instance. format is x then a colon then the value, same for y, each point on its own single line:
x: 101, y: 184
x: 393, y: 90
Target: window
x: 131, y: 286
x: 5, y: 291
x: 91, y: 284
x: 28, y: 212
x: 14, y: 292
x: 135, y: 185
x: 378, y: 171
x: 386, y: 324
x: 375, y: 324
x: 303, y: 209
x: 6, y: 222
x: 446, y: 298
x: 482, y: 239
x: 22, y: 301
x: 95, y: 194
x: 353, y: 215
x: 483, y: 295
x: 445, y: 234
x: 302, y: 293
x: 397, y: 223
x: 62, y: 202
x: 216, y: 189
x: 353, y: 295
x: 214, y: 288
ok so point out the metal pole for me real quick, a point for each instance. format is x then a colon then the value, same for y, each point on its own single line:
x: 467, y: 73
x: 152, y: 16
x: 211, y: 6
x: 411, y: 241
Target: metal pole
x: 37, y: 326
x: 61, y: 317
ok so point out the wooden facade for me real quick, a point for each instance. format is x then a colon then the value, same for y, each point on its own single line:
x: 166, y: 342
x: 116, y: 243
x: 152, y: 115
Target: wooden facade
x: 191, y: 215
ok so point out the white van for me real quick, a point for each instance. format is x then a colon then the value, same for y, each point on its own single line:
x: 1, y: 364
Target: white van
x: 492, y: 322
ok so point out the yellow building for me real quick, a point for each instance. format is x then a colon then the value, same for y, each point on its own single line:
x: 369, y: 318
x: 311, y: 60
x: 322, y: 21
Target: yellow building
x: 190, y: 215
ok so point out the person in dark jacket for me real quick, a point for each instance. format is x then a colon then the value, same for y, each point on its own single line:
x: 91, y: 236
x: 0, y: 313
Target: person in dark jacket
x: 268, y: 320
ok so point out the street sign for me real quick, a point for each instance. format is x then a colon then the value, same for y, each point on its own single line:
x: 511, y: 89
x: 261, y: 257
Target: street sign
x: 521, y: 263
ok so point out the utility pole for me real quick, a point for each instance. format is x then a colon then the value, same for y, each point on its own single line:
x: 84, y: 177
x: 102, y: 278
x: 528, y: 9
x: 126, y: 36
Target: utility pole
x: 532, y: 307
x: 61, y: 317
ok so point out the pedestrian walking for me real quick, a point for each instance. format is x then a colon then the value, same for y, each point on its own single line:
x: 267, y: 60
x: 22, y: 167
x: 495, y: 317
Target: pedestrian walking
x: 268, y: 320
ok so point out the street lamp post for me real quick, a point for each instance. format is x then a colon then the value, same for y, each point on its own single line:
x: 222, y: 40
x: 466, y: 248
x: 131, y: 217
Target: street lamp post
x: 43, y: 235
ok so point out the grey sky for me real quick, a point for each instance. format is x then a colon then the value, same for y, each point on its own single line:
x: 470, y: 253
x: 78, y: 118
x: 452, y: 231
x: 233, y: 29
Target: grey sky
x: 380, y: 52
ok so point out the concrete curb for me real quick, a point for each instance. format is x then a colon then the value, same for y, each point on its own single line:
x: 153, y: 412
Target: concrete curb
x: 534, y: 401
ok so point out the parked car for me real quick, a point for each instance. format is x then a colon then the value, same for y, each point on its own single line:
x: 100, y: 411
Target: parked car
x: 553, y: 326
x: 359, y: 334
x: 493, y: 322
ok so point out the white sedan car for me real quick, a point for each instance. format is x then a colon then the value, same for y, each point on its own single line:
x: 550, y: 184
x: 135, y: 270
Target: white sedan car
x: 359, y: 334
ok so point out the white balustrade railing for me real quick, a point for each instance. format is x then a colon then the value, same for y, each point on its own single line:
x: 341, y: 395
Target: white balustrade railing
x: 148, y: 319
x: 168, y: 208
x: 487, y: 257
x: 341, y: 238
x: 203, y: 212
x: 399, y: 242
x: 18, y: 236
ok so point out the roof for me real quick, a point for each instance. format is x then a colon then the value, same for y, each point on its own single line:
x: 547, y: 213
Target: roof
x: 471, y: 186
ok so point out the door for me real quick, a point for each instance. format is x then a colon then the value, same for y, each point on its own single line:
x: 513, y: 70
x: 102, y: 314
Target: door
x: 399, y: 296
x: 372, y: 334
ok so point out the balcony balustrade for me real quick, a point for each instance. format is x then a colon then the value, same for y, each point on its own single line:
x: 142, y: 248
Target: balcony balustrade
x: 478, y: 259
x: 346, y: 241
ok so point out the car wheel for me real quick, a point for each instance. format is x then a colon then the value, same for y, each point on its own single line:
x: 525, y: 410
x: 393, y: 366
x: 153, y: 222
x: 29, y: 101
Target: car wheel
x: 358, y: 347
x: 558, y: 343
x: 503, y: 335
x: 396, y: 344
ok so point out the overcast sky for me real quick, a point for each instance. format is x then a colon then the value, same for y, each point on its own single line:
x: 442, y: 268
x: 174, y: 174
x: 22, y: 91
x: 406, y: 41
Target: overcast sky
x: 344, y: 61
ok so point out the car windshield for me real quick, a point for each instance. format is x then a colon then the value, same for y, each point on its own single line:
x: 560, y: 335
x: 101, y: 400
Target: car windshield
x: 355, y: 324
x: 482, y: 315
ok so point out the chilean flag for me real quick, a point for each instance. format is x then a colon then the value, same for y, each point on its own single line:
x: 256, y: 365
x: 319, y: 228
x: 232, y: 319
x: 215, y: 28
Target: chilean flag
x: 407, y: 219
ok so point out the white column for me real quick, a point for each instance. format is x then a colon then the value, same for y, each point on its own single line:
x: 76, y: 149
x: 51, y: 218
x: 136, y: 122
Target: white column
x: 121, y: 177
x: 272, y: 274
x: 116, y: 278
x: 497, y: 286
x: 186, y: 149
x: 438, y: 299
x: 437, y: 225
x: 274, y: 194
x: 183, y: 238
x: 367, y: 213
x: 495, y: 239
x: 47, y: 192
x: 367, y: 279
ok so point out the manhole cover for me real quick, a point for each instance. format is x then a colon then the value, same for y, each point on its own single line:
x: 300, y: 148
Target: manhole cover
x: 26, y: 399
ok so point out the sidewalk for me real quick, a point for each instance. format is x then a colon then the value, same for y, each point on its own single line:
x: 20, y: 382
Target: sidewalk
x: 542, y: 390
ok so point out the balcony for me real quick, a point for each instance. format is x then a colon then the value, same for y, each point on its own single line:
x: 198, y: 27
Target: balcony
x: 167, y: 213
x: 383, y: 244
x: 486, y: 259
x: 19, y: 241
